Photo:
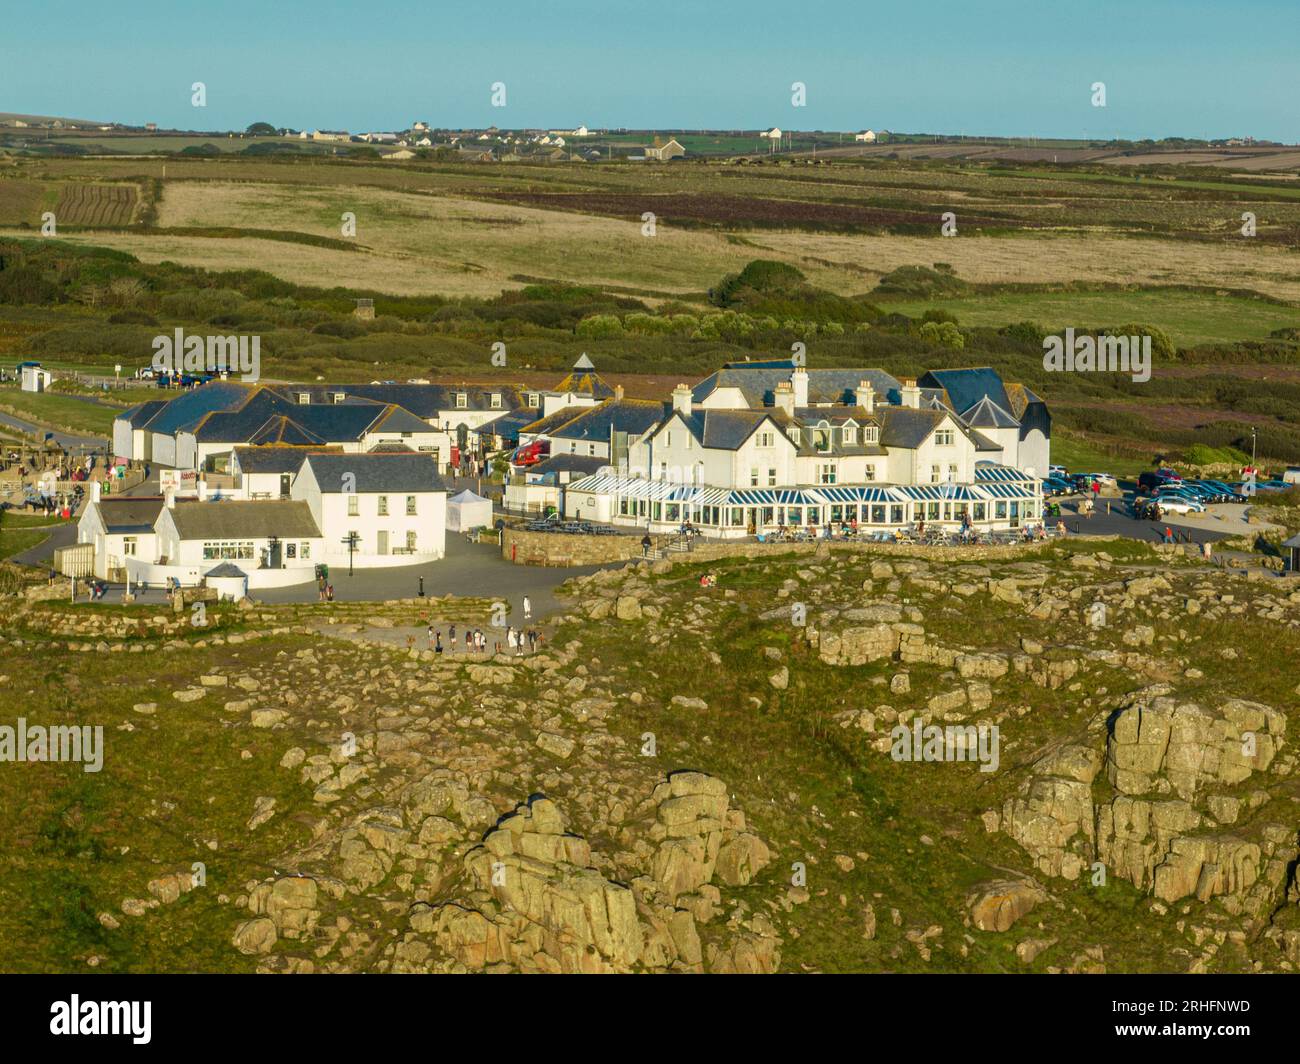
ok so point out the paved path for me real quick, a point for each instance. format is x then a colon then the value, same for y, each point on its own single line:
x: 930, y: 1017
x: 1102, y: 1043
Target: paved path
x: 68, y: 440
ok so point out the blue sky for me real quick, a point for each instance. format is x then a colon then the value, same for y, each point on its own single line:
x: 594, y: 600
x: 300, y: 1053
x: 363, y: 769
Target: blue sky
x: 1022, y: 67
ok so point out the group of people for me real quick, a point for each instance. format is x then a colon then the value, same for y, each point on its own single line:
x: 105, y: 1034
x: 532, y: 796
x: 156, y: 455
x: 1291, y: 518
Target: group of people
x: 476, y: 641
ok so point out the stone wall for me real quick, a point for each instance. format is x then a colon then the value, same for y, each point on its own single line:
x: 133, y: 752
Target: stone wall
x: 558, y: 549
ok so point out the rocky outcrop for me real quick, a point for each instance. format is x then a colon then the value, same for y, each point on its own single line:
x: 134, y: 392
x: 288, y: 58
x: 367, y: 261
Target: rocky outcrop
x: 1161, y: 824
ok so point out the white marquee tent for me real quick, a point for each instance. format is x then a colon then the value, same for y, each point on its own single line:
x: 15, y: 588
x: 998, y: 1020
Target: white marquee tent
x: 467, y: 510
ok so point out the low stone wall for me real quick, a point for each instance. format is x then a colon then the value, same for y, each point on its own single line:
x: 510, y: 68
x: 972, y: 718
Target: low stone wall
x: 558, y: 549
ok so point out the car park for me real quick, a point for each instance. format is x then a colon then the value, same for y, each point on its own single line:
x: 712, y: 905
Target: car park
x: 1105, y: 479
x: 1057, y: 486
x: 1154, y: 481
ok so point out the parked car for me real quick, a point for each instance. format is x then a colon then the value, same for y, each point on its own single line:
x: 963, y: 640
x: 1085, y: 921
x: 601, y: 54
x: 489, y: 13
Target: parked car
x: 1105, y: 479
x: 1057, y: 486
x: 1176, y: 504
x: 1169, y: 474
x: 1229, y: 494
x: 1154, y: 481
x: 1057, y: 471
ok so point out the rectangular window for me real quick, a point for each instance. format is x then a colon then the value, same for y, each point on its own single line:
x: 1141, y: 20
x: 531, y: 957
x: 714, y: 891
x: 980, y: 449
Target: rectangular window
x: 462, y: 400
x: 850, y: 435
x: 410, y: 506
x: 410, y: 541
x: 826, y: 473
x: 869, y: 472
x: 383, y: 506
x: 943, y: 438
x: 934, y: 474
x: 354, y: 505
x: 129, y: 545
x: 771, y: 478
x: 753, y: 478
x: 533, y: 400
x: 766, y: 439
x: 952, y: 470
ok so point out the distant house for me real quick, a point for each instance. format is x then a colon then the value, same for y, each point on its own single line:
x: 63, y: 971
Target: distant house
x: 867, y: 136
x: 380, y: 138
x: 475, y: 155
x: 420, y: 127
x: 331, y: 134
x: 399, y: 156
x: 151, y: 127
x: 424, y: 142
x: 664, y: 152
x: 772, y: 134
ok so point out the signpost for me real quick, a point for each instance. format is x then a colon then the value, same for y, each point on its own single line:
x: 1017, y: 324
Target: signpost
x: 350, y: 541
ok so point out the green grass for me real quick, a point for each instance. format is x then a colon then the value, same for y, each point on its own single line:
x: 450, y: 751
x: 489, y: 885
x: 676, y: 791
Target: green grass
x: 1189, y: 318
x: 59, y: 411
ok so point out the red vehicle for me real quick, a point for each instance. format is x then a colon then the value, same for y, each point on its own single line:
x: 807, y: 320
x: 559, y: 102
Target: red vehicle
x: 532, y: 453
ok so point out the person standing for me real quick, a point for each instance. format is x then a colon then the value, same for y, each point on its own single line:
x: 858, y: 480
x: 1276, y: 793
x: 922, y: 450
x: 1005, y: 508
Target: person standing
x: 528, y: 609
x: 437, y: 646
x: 511, y: 639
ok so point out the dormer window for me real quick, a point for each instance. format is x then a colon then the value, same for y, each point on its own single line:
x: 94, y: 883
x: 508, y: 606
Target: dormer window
x: 793, y: 432
x: 850, y: 435
x: 871, y: 434
x: 822, y: 436
x: 462, y: 400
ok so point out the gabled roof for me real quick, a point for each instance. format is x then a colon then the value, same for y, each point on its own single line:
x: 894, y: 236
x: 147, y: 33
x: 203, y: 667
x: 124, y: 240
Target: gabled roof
x: 243, y: 519
x: 272, y: 459
x: 567, y: 463
x: 726, y: 430
x: 184, y: 412
x: 280, y: 430
x: 130, y: 514
x: 141, y: 414
x: 376, y: 472
x: 632, y: 416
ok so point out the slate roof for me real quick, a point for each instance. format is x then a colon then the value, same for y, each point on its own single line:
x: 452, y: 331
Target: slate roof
x: 632, y: 416
x: 189, y: 408
x: 226, y: 569
x: 757, y: 382
x: 272, y: 459
x: 241, y: 519
x: 424, y: 400
x: 141, y: 414
x: 568, y: 463
x: 130, y: 514
x: 726, y: 429
x: 377, y: 472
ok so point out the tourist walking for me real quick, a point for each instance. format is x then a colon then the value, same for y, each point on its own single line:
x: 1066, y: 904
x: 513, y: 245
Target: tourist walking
x: 528, y: 609
x: 437, y: 646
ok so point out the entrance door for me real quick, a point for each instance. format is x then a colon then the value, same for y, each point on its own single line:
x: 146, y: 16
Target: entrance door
x: 383, y: 543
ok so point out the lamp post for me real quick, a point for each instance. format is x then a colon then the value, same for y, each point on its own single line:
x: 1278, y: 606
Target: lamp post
x: 1252, y: 448
x: 350, y: 541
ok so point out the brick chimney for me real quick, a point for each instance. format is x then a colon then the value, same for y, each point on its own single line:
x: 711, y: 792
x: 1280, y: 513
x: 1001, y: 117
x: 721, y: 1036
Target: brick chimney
x: 618, y: 391
x: 682, y: 399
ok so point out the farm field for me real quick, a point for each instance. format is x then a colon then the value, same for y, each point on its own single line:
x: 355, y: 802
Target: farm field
x: 417, y: 243
x: 93, y: 205
x: 1188, y: 317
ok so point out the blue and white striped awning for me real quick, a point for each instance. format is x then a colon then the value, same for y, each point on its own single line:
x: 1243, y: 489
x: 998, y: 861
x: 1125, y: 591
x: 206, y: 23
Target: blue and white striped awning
x: 1008, y: 491
x: 993, y: 472
x: 858, y: 494
x: 769, y: 497
x: 944, y: 493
